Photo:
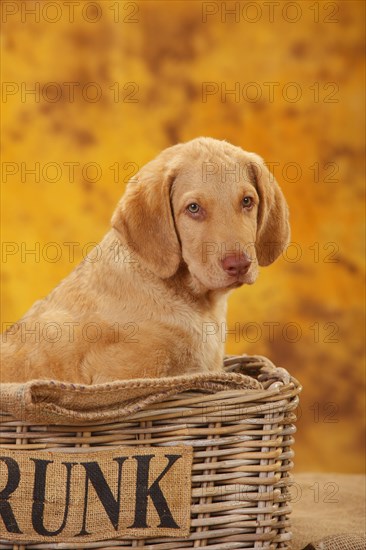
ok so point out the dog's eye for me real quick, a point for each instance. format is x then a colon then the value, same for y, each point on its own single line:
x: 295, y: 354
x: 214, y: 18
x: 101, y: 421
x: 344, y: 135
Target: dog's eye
x: 193, y: 208
x: 247, y: 202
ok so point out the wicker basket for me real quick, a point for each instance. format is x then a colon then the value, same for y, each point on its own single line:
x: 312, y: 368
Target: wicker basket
x: 242, y: 458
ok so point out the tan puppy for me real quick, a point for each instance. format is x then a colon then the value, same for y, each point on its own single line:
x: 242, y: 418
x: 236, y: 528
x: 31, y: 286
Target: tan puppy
x: 193, y: 224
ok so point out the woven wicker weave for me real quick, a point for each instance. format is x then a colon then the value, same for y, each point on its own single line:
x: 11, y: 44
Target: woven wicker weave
x: 242, y: 458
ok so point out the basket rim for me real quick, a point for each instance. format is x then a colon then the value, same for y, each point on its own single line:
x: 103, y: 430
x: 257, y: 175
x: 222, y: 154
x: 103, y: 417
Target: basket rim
x: 246, y: 379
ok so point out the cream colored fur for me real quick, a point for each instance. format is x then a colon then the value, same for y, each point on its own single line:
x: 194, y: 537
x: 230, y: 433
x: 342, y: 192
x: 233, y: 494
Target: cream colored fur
x: 145, y: 308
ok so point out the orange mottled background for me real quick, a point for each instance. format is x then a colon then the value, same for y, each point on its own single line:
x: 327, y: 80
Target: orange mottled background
x: 94, y: 90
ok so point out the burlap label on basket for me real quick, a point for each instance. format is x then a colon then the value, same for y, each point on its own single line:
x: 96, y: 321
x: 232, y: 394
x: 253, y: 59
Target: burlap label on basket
x: 129, y: 492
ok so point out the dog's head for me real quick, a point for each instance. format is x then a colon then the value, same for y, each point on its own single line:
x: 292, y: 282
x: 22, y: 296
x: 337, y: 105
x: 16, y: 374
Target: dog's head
x: 207, y: 204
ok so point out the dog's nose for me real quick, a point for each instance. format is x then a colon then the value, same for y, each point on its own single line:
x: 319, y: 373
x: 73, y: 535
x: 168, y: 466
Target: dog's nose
x: 236, y: 264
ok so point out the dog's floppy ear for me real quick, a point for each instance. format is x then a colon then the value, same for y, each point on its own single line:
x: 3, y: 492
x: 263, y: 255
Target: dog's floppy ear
x: 144, y: 219
x: 273, y: 231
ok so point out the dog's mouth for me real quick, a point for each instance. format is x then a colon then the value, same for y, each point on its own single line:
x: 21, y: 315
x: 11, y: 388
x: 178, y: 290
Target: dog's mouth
x: 236, y: 284
x: 229, y: 282
x: 240, y: 280
x: 230, y: 285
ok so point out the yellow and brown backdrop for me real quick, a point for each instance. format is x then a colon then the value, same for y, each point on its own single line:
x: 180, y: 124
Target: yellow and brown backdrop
x: 93, y: 90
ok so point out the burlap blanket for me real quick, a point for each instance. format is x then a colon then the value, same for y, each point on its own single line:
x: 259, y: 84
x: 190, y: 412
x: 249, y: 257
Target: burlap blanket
x: 329, y: 512
x: 329, y: 509
x: 54, y: 402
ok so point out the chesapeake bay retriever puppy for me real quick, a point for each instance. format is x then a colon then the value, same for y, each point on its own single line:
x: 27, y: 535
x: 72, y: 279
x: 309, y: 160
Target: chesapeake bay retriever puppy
x: 193, y: 225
